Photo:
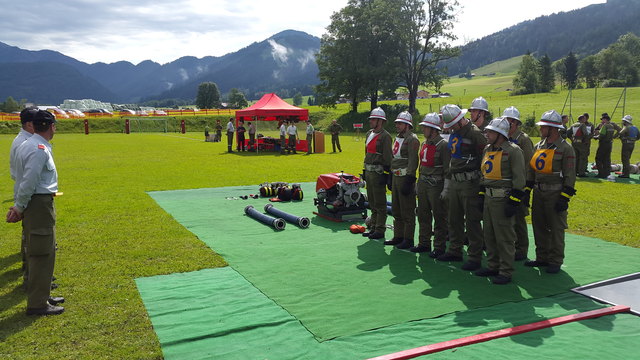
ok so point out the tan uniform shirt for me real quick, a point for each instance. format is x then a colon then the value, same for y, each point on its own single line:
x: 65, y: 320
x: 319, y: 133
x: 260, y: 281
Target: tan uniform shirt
x: 434, y: 156
x: 378, y: 148
x: 524, y: 142
x: 553, y: 163
x: 405, y: 153
x: 503, y: 166
x: 466, y: 149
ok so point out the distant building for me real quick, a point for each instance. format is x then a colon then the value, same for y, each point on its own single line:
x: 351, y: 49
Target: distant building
x: 85, y: 104
x: 422, y: 94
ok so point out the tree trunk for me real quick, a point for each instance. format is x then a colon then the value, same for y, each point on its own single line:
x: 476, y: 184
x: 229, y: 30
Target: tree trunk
x: 413, y: 94
x: 374, y: 100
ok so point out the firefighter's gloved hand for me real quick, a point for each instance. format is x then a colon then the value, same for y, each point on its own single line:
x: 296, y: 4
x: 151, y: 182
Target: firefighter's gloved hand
x: 513, y: 202
x: 389, y: 180
x: 480, y: 199
x: 563, y: 201
x: 444, y: 195
x: 527, y: 193
x: 408, y: 185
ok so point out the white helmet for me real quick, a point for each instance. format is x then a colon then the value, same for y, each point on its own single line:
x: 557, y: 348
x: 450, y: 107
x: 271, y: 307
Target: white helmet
x: 451, y: 114
x: 378, y: 113
x: 479, y: 103
x: 432, y: 120
x: 511, y: 112
x: 405, y: 117
x: 628, y: 119
x: 551, y: 118
x: 500, y: 125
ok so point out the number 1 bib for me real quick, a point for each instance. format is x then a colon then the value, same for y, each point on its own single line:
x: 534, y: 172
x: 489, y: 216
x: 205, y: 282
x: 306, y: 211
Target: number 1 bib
x: 492, y: 165
x: 542, y: 161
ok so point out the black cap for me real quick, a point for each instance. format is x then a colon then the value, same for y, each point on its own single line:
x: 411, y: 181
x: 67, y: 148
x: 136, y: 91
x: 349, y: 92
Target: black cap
x: 27, y: 114
x: 605, y: 116
x: 43, y: 117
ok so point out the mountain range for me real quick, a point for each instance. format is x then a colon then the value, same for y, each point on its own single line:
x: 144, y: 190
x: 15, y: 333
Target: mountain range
x: 285, y: 63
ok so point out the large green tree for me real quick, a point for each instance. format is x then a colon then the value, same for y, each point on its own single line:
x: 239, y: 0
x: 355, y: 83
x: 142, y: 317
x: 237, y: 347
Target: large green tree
x: 237, y: 99
x: 588, y: 71
x: 570, y: 74
x: 423, y: 30
x: 208, y: 96
x: 547, y: 75
x: 297, y: 99
x: 10, y: 105
x: 527, y: 79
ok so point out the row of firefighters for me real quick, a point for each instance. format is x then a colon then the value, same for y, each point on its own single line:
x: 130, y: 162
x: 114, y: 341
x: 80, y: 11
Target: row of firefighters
x: 475, y: 188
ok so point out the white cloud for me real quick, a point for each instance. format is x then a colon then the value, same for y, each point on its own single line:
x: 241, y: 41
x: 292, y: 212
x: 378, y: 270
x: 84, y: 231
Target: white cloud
x: 183, y: 74
x: 164, y: 30
x: 307, y: 56
x: 279, y: 52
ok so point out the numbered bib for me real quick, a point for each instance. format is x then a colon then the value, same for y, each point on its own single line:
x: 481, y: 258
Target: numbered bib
x: 492, y: 165
x: 542, y: 161
x: 455, y: 144
x: 396, y: 148
x: 428, y: 155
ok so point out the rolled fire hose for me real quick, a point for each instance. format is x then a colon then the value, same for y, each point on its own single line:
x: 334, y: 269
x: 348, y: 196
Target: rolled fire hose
x: 276, y: 223
x: 302, y: 222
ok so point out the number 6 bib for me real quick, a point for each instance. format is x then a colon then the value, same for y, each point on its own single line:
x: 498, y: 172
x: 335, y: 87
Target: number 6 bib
x: 542, y: 161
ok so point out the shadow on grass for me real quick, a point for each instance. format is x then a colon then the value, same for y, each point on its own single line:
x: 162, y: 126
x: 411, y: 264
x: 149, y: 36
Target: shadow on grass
x: 14, y: 324
x: 9, y: 260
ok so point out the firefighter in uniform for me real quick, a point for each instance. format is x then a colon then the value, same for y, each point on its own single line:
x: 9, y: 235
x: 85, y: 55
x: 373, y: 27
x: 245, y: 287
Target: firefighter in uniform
x: 605, y: 132
x: 377, y: 172
x: 580, y: 135
x: 26, y: 119
x: 403, y: 189
x: 502, y: 190
x: 434, y: 157
x: 522, y: 140
x: 230, y: 130
x: 37, y: 184
x: 335, y: 130
x: 479, y: 111
x: 628, y: 136
x: 283, y: 137
x: 552, y: 176
x: 461, y: 187
x: 310, y: 131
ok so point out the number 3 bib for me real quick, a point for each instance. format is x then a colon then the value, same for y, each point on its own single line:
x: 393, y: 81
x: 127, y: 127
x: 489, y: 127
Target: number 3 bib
x: 542, y: 161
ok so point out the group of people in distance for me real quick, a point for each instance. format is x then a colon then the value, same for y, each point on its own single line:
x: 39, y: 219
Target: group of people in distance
x: 473, y: 186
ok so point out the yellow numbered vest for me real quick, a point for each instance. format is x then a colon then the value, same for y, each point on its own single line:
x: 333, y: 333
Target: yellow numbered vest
x: 542, y: 161
x: 492, y: 165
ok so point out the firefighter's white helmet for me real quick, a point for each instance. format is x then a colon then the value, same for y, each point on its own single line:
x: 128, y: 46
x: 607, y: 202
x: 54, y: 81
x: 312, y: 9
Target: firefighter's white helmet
x: 432, y: 120
x: 551, y: 118
x: 451, y: 114
x: 479, y: 103
x: 405, y: 117
x: 500, y: 125
x: 378, y: 113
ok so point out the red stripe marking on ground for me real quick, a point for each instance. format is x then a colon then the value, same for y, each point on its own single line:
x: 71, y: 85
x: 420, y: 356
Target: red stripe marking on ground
x: 474, y: 339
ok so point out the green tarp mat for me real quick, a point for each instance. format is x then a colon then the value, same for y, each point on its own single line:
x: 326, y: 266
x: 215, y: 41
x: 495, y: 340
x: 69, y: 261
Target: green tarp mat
x: 337, y: 284
x: 217, y: 314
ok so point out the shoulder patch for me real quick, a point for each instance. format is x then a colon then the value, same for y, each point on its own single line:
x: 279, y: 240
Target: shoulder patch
x: 40, y: 146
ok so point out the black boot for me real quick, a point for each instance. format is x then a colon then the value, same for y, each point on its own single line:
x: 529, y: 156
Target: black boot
x: 405, y: 244
x: 394, y: 241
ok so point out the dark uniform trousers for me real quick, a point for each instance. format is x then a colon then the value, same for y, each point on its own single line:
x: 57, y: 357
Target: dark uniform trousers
x: 335, y: 141
x: 377, y: 197
x: 241, y: 146
x: 432, y: 210
x: 499, y: 235
x: 292, y: 143
x: 522, y: 233
x: 548, y: 226
x: 603, y: 158
x: 283, y: 144
x: 627, y: 150
x: 23, y: 252
x: 463, y: 201
x: 404, y: 209
x: 229, y: 141
x: 252, y: 141
x: 582, y: 157
x: 309, y: 141
x: 39, y: 225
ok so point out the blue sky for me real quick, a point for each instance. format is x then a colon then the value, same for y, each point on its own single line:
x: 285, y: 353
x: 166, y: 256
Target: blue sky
x: 164, y: 30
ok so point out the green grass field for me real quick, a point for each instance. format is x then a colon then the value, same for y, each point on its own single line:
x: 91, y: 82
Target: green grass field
x: 111, y: 232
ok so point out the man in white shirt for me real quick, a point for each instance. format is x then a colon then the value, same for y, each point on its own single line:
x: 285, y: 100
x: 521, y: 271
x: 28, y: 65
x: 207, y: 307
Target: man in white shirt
x: 230, y: 130
x: 283, y: 134
x: 26, y: 118
x: 292, y: 131
x: 37, y: 184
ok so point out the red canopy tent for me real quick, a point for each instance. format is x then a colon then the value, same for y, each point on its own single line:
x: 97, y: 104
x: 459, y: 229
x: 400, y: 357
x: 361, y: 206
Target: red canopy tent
x: 271, y: 108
